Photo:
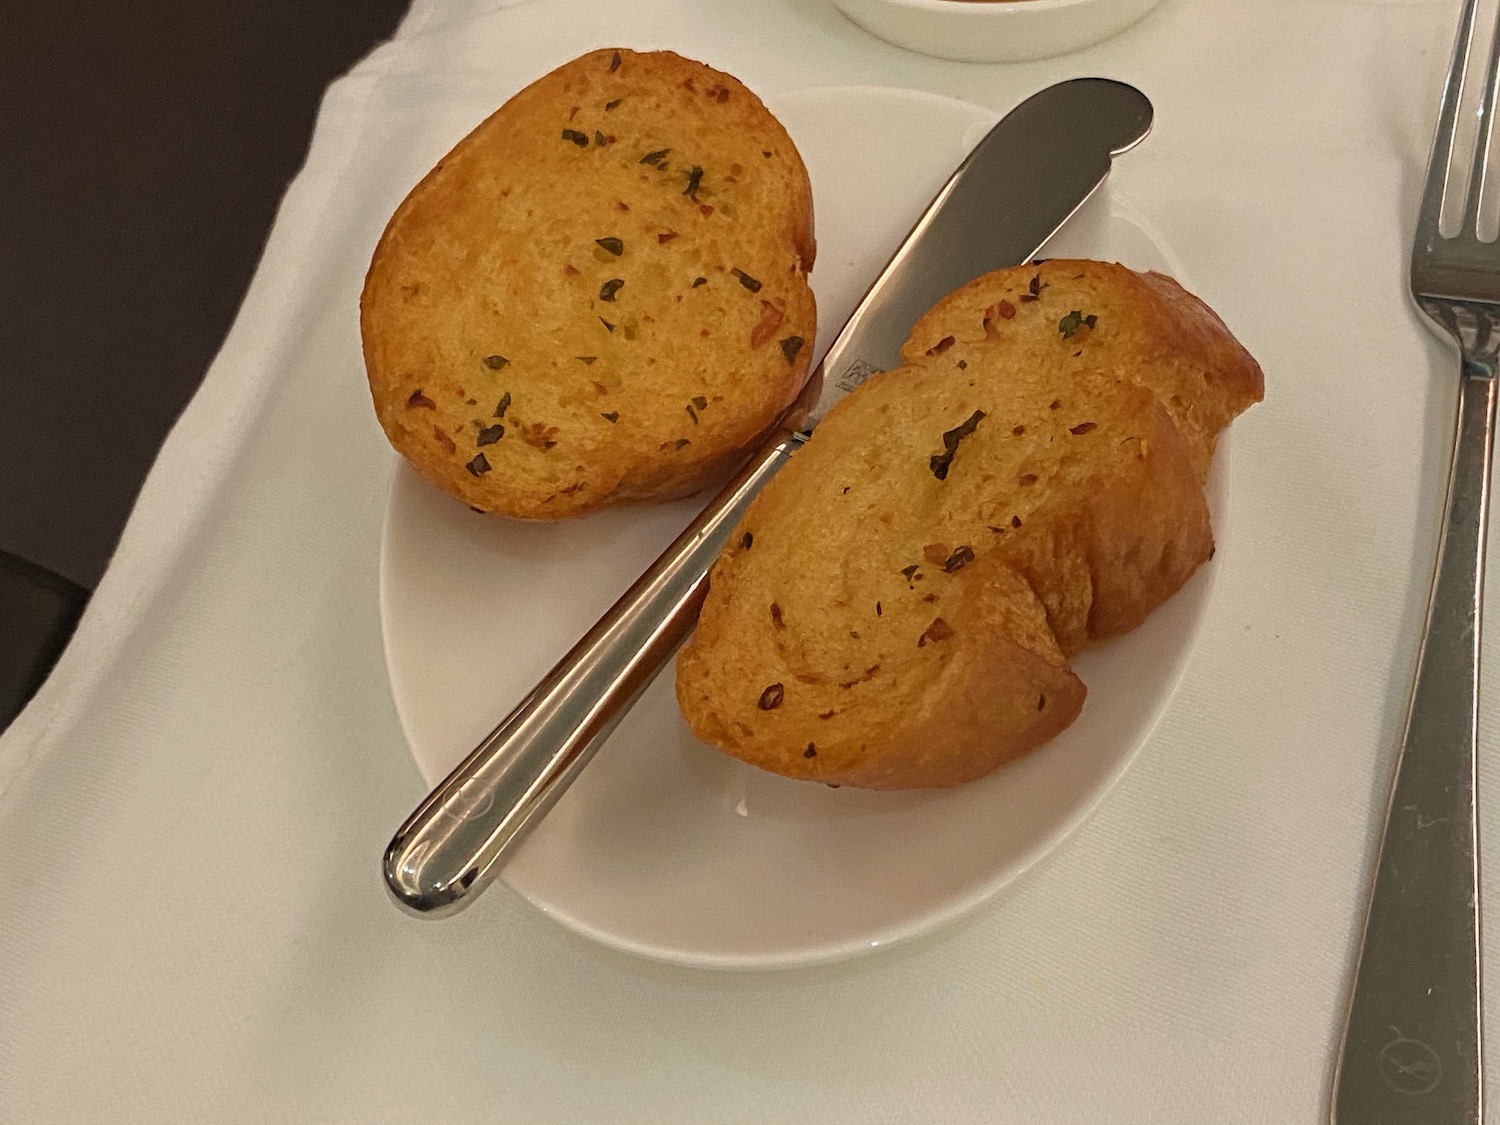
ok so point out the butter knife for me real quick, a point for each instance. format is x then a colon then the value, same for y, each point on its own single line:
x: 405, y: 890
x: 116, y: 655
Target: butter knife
x: 1020, y: 183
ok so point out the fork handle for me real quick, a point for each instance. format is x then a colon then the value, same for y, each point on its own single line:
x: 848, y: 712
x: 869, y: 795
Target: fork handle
x: 1411, y: 1047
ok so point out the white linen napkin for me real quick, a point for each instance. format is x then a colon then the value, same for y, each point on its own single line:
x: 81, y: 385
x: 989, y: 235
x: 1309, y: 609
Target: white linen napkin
x: 195, y: 804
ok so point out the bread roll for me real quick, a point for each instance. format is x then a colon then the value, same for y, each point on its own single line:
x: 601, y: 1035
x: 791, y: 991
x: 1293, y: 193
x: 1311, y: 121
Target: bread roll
x: 898, y: 606
x: 600, y: 295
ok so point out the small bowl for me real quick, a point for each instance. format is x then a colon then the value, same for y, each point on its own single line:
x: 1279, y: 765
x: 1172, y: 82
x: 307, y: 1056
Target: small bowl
x: 994, y: 30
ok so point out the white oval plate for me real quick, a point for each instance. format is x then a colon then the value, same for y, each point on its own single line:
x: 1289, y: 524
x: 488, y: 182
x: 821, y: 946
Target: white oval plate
x: 665, y: 847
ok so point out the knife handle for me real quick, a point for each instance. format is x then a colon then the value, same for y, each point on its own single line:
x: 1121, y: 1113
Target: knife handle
x: 452, y: 846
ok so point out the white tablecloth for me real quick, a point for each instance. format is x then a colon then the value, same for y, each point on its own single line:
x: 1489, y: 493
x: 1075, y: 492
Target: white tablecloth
x: 193, y: 808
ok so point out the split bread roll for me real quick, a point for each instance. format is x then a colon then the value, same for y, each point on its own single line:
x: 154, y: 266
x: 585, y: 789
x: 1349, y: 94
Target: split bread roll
x: 599, y: 295
x: 898, y: 606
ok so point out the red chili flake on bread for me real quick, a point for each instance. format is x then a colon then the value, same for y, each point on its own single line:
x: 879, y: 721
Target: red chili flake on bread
x: 697, y: 281
x: 614, y: 62
x: 705, y: 210
x: 770, y: 320
x: 611, y: 417
x: 538, y: 435
x: 1083, y: 427
x: 418, y: 399
x: 811, y: 751
x: 941, y: 346
x: 1026, y: 480
x: 610, y: 105
x: 771, y: 698
x: 746, y: 540
x: 939, y: 630
x: 444, y: 440
x: 1002, y: 310
x: 776, y: 616
x: 666, y: 236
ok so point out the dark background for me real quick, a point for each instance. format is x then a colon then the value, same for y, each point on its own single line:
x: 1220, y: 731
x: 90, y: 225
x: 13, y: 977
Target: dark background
x: 143, y: 150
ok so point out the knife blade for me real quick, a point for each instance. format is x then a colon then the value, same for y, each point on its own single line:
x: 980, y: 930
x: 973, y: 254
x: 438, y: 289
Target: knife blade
x: 1023, y: 180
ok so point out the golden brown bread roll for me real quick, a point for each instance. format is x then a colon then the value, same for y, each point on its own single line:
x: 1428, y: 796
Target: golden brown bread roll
x: 898, y: 605
x: 599, y: 295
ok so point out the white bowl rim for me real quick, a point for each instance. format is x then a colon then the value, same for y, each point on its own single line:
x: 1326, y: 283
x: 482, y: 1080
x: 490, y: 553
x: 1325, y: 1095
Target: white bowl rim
x: 1004, y: 9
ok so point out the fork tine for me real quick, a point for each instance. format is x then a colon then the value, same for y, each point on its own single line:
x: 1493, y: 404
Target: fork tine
x: 1442, y: 143
x: 1481, y: 171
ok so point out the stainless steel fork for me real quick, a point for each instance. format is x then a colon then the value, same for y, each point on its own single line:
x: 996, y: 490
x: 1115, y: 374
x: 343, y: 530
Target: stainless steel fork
x: 1411, y: 1045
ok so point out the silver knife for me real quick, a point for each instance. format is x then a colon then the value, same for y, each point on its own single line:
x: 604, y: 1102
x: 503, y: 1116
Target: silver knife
x: 1020, y: 183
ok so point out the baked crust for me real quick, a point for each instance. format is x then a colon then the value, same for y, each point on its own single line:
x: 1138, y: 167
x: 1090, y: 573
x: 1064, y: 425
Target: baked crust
x: 917, y: 576
x: 599, y: 295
